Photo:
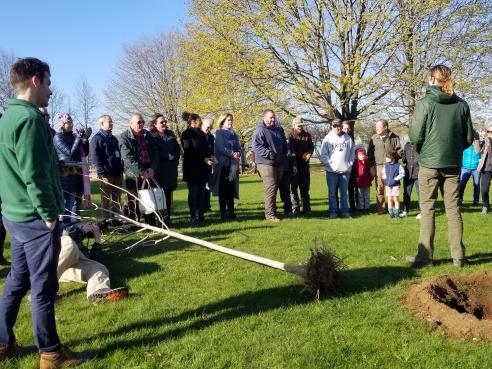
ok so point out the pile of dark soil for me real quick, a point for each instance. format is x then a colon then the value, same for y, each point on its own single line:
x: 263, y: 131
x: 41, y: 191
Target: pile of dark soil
x: 459, y: 305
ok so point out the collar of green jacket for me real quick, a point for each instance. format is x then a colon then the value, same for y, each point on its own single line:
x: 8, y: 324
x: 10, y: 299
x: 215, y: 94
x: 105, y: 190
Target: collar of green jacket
x: 436, y: 94
x: 21, y: 102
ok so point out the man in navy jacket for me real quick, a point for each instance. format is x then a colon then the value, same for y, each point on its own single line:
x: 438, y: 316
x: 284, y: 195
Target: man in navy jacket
x: 270, y: 150
x: 106, y: 156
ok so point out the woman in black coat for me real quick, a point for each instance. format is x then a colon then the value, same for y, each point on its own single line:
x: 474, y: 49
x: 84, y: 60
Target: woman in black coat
x: 196, y: 162
x: 168, y: 151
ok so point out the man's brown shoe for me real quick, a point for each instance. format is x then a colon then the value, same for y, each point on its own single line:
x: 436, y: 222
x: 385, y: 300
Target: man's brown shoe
x: 64, y: 357
x: 9, y: 352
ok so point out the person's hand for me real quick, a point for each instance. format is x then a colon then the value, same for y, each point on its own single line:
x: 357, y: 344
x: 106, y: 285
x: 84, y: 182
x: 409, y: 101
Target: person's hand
x: 294, y: 171
x: 170, y: 156
x: 80, y: 132
x: 236, y: 155
x: 67, y: 170
x: 149, y: 173
x: 51, y: 225
x: 372, y: 171
x: 87, y: 133
x: 208, y: 161
x: 272, y: 156
x: 306, y: 157
x: 214, y: 160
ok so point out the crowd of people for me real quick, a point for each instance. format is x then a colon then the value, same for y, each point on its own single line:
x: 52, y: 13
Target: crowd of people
x: 45, y: 181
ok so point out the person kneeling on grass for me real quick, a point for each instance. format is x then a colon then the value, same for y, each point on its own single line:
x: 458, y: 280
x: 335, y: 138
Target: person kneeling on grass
x: 392, y: 173
x: 75, y: 266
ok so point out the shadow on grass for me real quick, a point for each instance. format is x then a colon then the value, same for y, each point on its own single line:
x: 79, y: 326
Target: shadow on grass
x: 132, y: 269
x: 473, y: 259
x: 239, y: 306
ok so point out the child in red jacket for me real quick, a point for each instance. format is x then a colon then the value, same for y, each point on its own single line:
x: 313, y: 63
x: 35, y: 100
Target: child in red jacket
x: 363, y: 179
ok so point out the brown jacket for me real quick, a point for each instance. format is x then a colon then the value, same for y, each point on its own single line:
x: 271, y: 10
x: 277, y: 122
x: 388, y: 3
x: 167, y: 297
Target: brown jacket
x: 378, y: 147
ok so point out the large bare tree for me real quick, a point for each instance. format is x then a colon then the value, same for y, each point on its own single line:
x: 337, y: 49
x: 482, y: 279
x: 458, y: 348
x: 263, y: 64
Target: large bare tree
x: 86, y: 103
x: 6, y: 89
x: 328, y: 57
x: 148, y: 79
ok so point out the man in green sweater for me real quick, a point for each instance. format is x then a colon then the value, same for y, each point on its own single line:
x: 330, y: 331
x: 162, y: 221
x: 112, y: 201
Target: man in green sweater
x: 32, y: 200
x: 441, y: 129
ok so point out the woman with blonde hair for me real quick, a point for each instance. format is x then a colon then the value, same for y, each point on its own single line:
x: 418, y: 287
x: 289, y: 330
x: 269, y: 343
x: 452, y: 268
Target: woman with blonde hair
x: 225, y: 178
x: 440, y: 130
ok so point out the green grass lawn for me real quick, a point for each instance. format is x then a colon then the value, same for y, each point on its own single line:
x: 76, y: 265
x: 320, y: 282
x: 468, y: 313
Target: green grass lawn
x: 194, y: 308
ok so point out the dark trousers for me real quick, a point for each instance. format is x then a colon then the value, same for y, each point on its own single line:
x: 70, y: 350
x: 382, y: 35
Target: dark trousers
x: 284, y: 189
x: 408, y: 184
x: 485, y: 179
x: 196, y: 192
x: 3, y: 234
x: 301, y: 181
x: 169, y: 200
x: 352, y: 191
x: 35, y: 253
x: 132, y: 209
x: 226, y: 192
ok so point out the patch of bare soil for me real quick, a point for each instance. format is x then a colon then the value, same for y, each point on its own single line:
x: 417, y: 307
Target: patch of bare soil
x: 459, y: 305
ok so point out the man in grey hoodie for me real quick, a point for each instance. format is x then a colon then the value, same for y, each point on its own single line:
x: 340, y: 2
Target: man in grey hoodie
x: 337, y: 155
x: 270, y: 150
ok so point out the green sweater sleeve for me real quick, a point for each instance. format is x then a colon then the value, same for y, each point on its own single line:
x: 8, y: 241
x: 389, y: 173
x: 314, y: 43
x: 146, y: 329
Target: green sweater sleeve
x: 416, y: 133
x: 35, y: 160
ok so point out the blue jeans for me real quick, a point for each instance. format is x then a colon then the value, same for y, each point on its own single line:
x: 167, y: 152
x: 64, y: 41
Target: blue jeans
x: 464, y: 177
x: 72, y: 207
x: 35, y: 253
x: 337, y: 182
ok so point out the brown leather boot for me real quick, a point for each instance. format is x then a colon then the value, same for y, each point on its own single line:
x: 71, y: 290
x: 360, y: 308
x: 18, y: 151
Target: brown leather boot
x: 8, y: 352
x: 64, y: 357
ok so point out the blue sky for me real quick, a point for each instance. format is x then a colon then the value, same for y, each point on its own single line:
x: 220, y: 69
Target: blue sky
x: 84, y: 38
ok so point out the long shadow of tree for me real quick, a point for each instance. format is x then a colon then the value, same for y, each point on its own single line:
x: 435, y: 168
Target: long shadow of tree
x: 243, y: 305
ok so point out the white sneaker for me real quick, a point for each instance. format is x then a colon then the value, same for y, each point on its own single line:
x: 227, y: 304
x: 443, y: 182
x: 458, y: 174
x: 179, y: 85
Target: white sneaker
x: 418, y: 216
x: 403, y: 214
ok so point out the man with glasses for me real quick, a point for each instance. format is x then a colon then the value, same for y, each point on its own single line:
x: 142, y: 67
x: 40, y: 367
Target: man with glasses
x: 337, y: 155
x: 485, y: 167
x: 382, y: 143
x: 140, y: 163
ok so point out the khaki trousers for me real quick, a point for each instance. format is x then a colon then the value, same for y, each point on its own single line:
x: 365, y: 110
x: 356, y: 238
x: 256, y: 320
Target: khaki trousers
x: 110, y: 195
x: 271, y: 177
x: 380, y: 200
x: 430, y: 181
x: 73, y: 266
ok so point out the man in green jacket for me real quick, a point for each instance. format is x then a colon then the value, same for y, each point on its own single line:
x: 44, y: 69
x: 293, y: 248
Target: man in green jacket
x: 441, y: 129
x: 32, y: 200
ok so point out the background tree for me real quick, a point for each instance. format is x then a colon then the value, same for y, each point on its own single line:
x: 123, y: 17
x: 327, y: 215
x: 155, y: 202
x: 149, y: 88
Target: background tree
x: 329, y: 58
x: 86, y: 103
x: 149, y: 80
x: 454, y: 32
x: 6, y: 89
x: 57, y: 103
